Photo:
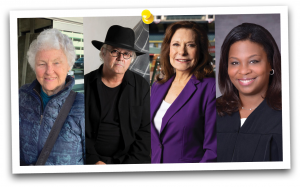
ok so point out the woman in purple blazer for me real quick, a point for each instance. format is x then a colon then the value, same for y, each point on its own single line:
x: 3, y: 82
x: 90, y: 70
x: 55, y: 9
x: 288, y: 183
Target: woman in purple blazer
x: 183, y: 110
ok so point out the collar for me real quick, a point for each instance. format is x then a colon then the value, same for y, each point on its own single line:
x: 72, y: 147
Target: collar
x: 70, y: 82
x: 128, y: 76
x: 194, y: 80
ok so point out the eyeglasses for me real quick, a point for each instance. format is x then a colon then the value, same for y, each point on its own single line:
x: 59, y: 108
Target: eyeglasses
x: 116, y: 53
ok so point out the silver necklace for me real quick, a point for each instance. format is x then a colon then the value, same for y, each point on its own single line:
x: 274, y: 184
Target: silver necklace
x: 248, y: 109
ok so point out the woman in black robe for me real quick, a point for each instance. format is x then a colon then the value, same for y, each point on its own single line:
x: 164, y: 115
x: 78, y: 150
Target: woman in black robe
x: 249, y: 120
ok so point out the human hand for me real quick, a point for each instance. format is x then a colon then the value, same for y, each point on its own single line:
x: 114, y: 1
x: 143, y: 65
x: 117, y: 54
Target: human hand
x: 100, y: 163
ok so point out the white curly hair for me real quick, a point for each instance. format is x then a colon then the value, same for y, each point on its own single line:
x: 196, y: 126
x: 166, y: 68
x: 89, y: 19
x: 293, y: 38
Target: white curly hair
x: 51, y: 39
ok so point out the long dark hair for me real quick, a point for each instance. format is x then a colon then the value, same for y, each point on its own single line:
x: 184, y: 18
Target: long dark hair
x: 229, y: 102
x: 202, y: 68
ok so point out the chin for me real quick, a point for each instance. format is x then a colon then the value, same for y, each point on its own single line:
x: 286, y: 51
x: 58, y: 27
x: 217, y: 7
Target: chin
x: 248, y: 93
x: 119, y: 72
x: 183, y: 69
x: 50, y: 87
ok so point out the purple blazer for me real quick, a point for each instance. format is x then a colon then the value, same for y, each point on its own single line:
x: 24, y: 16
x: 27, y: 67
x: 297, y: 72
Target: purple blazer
x: 188, y: 130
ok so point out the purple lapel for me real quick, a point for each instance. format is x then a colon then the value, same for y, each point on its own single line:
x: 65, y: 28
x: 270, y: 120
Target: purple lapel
x: 180, y: 101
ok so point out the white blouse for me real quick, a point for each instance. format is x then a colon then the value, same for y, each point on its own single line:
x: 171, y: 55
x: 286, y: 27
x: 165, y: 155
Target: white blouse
x: 160, y: 114
x: 243, y: 121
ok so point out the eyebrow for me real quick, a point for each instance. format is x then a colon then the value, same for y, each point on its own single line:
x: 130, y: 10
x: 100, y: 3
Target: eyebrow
x: 253, y: 55
x: 42, y: 61
x: 186, y: 42
x: 118, y: 49
x: 57, y: 59
x: 248, y: 57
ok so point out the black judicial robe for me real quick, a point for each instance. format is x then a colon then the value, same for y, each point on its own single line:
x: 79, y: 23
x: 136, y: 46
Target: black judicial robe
x: 259, y: 138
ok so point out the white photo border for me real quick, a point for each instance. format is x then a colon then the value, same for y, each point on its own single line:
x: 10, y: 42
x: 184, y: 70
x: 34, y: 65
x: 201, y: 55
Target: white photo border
x: 285, y: 164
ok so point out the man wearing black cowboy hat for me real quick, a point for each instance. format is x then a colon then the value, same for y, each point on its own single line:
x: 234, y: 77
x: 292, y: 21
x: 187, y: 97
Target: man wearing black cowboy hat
x: 117, y: 104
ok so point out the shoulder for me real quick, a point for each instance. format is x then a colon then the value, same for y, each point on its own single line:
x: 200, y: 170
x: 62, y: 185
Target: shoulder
x: 89, y: 76
x: 272, y: 112
x: 266, y: 120
x: 24, y: 87
x: 272, y: 118
x: 226, y: 115
x: 227, y: 123
x: 26, y: 99
x: 156, y: 86
x: 210, y: 81
x: 28, y: 87
x: 140, y: 81
x: 207, y: 85
x: 25, y: 90
x: 138, y: 77
x: 79, y: 101
x: 77, y: 114
x: 80, y: 97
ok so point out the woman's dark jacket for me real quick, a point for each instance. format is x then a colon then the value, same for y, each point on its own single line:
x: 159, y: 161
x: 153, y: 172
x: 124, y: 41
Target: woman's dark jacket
x: 35, y: 124
x: 134, y: 114
x: 259, y: 138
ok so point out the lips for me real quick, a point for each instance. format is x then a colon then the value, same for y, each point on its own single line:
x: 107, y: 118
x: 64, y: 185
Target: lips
x: 246, y: 82
x: 183, y: 60
x: 50, y: 79
x: 119, y: 64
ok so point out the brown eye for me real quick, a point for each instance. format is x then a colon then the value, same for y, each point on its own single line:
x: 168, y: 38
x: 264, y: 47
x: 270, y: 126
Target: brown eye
x: 126, y: 55
x: 234, y: 63
x: 254, y: 61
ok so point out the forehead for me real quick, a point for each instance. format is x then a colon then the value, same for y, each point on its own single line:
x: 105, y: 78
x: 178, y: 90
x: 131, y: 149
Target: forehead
x: 184, y: 34
x: 246, y: 47
x: 119, y: 49
x: 50, y: 54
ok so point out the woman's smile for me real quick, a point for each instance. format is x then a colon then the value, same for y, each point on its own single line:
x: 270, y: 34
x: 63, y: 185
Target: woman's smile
x: 51, y: 69
x: 183, y: 60
x: 50, y: 79
x: 246, y: 81
x: 183, y: 50
x: 249, y: 68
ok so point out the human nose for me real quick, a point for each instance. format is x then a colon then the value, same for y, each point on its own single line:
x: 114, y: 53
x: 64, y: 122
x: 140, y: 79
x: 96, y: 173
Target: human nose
x: 244, y: 69
x: 182, y: 50
x: 49, y: 69
x: 120, y: 56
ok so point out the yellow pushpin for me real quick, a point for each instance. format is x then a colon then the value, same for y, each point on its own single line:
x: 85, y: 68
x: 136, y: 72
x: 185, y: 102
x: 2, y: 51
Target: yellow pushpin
x: 147, y: 17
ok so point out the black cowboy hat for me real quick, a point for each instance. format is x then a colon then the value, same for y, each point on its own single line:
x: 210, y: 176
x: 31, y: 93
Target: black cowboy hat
x: 118, y: 36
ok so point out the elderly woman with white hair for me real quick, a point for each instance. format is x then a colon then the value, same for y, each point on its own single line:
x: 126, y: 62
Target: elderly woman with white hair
x: 51, y: 115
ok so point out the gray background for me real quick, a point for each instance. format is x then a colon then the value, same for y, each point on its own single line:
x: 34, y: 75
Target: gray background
x: 225, y: 23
